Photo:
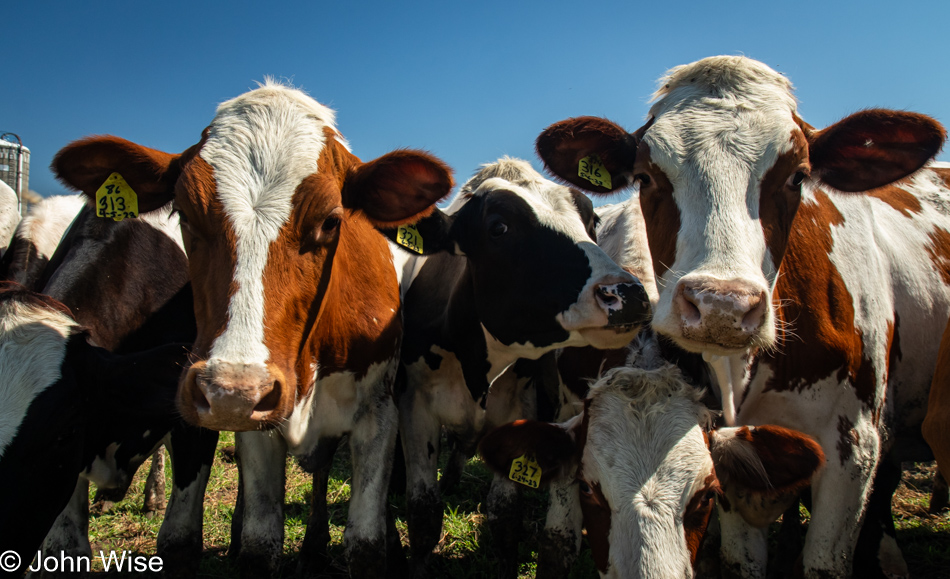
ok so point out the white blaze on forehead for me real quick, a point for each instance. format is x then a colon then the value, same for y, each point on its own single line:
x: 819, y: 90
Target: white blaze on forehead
x: 32, y: 348
x: 261, y: 145
x: 720, y: 125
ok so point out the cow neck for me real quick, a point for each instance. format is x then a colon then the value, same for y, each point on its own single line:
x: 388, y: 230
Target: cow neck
x: 463, y: 330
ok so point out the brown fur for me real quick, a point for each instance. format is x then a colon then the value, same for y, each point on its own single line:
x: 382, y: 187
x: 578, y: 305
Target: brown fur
x: 936, y: 426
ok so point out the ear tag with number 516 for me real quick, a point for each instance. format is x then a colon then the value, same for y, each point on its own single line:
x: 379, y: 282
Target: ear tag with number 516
x: 526, y: 470
x: 592, y: 169
x: 116, y: 199
x: 409, y: 236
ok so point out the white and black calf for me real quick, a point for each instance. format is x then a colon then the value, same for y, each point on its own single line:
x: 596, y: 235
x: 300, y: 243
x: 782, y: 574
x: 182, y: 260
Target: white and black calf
x: 645, y: 468
x: 56, y: 390
x: 511, y: 271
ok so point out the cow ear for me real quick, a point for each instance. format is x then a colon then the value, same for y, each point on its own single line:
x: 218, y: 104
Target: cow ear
x: 563, y: 146
x: 873, y: 148
x: 764, y: 459
x: 427, y: 236
x: 85, y: 165
x: 398, y: 188
x: 551, y: 445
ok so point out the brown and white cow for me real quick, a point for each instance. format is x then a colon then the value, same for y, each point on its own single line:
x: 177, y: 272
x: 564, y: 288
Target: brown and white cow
x: 643, y: 464
x: 296, y: 295
x: 786, y: 256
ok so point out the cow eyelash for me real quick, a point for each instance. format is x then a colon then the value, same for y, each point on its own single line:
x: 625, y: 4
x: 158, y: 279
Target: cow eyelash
x: 584, y: 487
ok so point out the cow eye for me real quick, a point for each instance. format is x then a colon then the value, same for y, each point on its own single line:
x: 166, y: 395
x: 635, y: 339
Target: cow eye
x: 643, y: 178
x: 584, y: 487
x: 497, y: 228
x: 330, y: 224
x: 796, y: 180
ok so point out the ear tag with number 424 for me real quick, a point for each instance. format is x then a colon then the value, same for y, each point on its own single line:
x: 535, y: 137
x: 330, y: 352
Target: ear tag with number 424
x: 116, y: 199
x: 409, y: 236
x: 592, y: 169
x: 526, y: 470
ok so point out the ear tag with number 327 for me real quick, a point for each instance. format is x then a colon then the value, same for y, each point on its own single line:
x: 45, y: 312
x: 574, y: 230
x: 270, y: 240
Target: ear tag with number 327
x: 409, y: 236
x: 116, y: 199
x: 592, y: 169
x: 526, y: 470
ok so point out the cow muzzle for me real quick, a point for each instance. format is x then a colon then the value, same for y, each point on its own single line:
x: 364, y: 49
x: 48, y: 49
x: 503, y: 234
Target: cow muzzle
x: 728, y: 314
x: 233, y: 396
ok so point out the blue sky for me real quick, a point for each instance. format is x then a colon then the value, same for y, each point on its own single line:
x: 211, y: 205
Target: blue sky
x: 468, y: 81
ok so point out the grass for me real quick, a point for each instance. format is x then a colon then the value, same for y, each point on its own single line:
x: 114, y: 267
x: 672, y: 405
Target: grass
x: 464, y: 550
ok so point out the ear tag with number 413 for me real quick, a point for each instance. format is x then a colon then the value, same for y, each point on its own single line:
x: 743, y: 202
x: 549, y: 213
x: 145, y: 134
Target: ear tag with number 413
x: 116, y: 199
x: 592, y: 169
x: 526, y: 470
x: 409, y: 236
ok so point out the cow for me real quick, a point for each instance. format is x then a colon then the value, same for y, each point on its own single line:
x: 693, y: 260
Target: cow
x: 54, y: 390
x: 126, y: 305
x: 509, y: 271
x: 936, y: 425
x: 295, y: 292
x: 644, y: 463
x: 791, y: 258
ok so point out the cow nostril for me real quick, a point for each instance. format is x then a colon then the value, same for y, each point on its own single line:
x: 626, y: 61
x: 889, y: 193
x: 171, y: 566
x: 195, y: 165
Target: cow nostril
x: 607, y: 299
x: 755, y: 316
x: 688, y: 306
x: 270, y: 401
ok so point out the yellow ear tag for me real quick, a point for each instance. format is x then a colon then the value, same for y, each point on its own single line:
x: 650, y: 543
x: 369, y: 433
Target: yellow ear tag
x: 116, y: 199
x: 409, y: 236
x: 593, y: 170
x: 525, y: 470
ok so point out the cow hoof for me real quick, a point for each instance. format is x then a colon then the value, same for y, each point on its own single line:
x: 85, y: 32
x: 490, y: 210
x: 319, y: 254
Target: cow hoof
x: 425, y: 525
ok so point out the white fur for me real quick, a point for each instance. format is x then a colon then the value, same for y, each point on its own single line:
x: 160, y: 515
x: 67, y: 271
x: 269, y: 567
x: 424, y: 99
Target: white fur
x: 9, y: 215
x: 46, y: 223
x: 261, y: 145
x: 32, y: 349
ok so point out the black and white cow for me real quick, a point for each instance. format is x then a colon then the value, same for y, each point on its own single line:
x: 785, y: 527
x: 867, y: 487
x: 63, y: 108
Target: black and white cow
x: 126, y: 305
x: 511, y: 271
x: 55, y: 390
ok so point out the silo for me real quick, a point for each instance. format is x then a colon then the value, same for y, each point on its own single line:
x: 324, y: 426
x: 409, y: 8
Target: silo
x: 14, y: 163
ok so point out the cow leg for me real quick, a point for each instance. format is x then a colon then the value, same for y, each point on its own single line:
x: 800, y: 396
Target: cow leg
x: 505, y: 521
x: 69, y: 535
x: 313, y: 559
x: 560, y: 542
x: 452, y: 474
x: 839, y: 495
x: 420, y: 432
x: 155, y: 483
x: 263, y: 461
x: 744, y: 548
x: 877, y: 555
x: 180, y: 537
x: 237, y: 519
x: 372, y: 441
x: 940, y: 497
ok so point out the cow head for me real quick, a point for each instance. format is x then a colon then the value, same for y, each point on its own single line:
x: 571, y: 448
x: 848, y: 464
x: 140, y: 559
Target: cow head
x: 721, y: 165
x: 266, y: 198
x: 540, y: 280
x: 647, y: 472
